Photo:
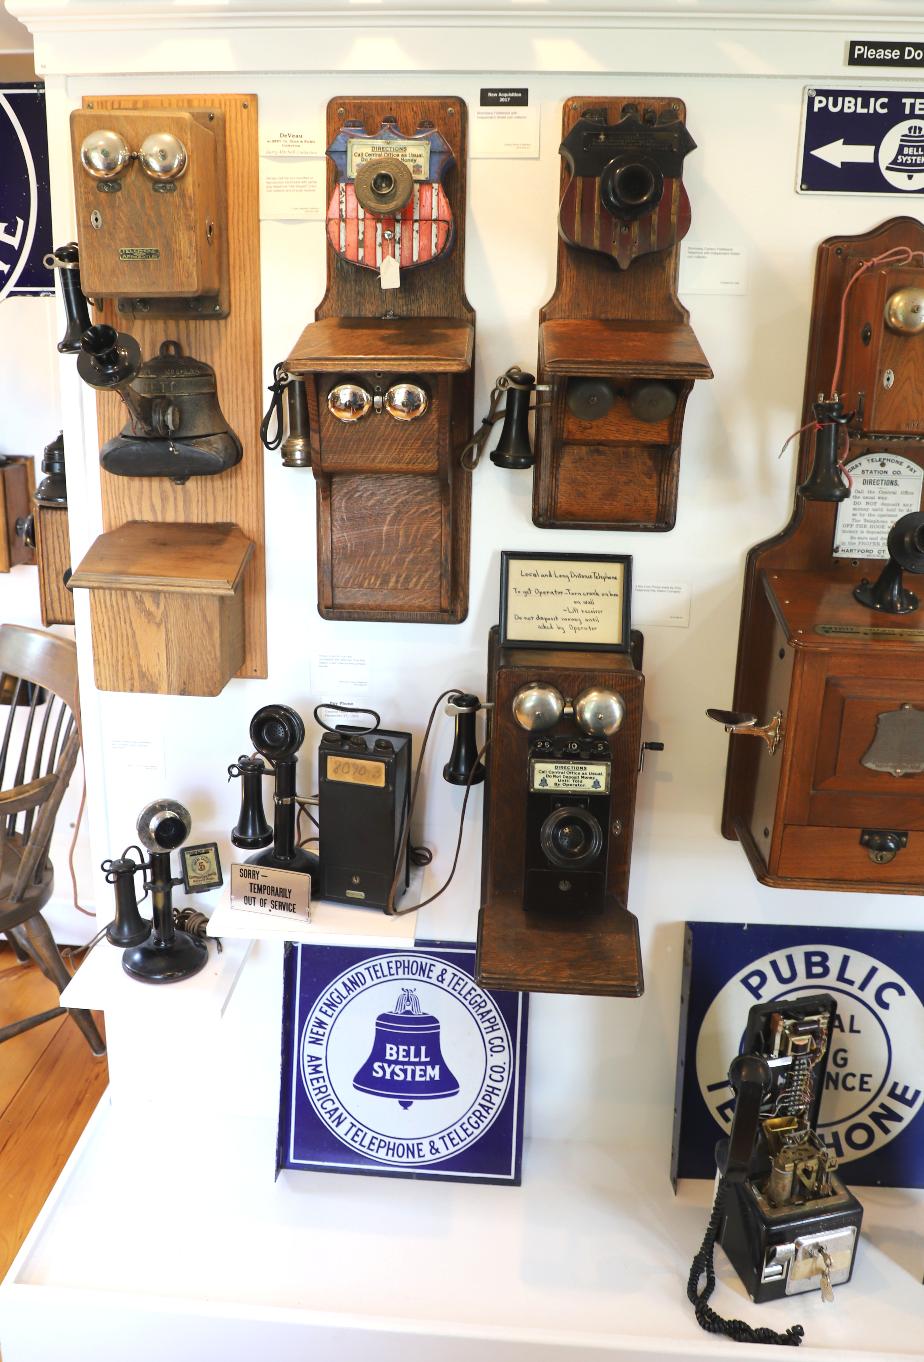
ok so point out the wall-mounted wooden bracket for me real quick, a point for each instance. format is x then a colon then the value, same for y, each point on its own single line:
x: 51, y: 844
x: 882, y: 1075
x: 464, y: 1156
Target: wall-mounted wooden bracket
x: 232, y: 346
x: 615, y: 345
x: 593, y: 950
x: 393, y: 499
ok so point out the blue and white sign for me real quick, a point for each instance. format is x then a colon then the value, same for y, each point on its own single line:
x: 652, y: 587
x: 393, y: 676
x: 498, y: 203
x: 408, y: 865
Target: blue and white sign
x: 25, y: 206
x: 398, y: 1063
x: 861, y: 141
x: 874, y: 1087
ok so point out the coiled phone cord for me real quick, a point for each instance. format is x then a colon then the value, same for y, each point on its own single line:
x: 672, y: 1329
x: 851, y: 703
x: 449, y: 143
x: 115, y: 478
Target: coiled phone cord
x: 704, y: 1266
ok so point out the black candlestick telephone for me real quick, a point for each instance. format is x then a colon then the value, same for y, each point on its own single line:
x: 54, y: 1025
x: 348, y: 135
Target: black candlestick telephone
x: 782, y: 1214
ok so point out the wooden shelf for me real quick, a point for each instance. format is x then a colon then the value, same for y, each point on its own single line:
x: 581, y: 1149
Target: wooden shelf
x: 168, y: 557
x: 393, y: 344
x: 803, y: 601
x: 649, y: 349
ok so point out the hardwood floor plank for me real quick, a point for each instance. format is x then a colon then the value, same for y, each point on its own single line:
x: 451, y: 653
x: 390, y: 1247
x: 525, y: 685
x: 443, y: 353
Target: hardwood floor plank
x: 24, y: 991
x: 40, y: 1125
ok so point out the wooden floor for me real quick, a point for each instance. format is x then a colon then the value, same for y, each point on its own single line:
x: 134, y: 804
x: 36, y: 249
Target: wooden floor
x: 49, y: 1086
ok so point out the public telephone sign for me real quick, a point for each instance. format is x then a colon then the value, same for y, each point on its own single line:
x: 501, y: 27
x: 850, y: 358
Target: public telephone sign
x: 861, y: 141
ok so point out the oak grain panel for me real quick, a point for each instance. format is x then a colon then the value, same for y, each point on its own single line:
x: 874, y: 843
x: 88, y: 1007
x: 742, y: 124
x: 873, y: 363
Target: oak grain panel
x: 53, y: 552
x: 233, y: 347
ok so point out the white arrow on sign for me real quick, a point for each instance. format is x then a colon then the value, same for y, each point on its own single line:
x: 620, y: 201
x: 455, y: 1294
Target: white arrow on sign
x: 836, y: 153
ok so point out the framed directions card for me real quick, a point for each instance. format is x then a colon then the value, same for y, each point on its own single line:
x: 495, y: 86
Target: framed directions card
x: 566, y: 600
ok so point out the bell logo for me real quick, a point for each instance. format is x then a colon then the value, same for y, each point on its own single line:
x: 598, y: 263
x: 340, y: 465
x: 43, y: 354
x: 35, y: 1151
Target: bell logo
x: 411, y: 1074
x: 19, y: 205
x: 870, y: 1093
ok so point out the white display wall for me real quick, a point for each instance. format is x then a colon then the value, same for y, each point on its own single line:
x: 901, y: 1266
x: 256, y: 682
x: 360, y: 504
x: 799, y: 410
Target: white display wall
x: 599, y: 1069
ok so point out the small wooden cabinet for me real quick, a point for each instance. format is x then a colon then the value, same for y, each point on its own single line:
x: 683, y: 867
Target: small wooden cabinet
x: 813, y: 813
x: 166, y: 607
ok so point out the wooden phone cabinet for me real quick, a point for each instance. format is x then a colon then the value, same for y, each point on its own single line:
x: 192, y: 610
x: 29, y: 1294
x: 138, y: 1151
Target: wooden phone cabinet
x: 624, y: 324
x: 393, y: 501
x: 825, y: 677
x: 591, y: 951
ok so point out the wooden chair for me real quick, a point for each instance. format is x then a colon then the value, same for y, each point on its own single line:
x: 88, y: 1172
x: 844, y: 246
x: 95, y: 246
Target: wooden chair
x: 39, y: 749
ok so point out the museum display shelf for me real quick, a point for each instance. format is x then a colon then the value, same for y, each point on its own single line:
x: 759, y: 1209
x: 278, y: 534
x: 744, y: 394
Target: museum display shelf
x: 587, y: 1260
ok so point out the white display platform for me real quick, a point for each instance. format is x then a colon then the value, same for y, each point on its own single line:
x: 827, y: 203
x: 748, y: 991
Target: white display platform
x: 331, y: 924
x: 102, y: 983
x: 588, y: 1259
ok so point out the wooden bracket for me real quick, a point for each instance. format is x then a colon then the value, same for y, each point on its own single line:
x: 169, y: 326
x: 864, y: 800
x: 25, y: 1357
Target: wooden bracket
x: 623, y: 325
x: 394, y: 502
x: 232, y: 346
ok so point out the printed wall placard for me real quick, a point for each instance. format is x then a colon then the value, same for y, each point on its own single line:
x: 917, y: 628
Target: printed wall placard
x: 874, y: 1087
x: 396, y: 1063
x: 25, y: 206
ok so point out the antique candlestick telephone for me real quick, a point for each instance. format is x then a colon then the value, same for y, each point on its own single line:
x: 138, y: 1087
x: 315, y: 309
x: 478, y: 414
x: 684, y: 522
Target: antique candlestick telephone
x: 277, y: 733
x: 365, y: 802
x: 157, y: 952
x: 781, y: 1212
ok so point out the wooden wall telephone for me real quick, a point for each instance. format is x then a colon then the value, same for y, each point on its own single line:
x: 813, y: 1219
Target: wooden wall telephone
x: 386, y: 367
x: 616, y: 351
x: 830, y: 674
x: 168, y: 229
x: 562, y: 768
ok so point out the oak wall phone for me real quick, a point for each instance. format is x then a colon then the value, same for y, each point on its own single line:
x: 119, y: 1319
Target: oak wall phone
x: 383, y: 376
x: 168, y: 232
x: 830, y: 675
x: 617, y: 356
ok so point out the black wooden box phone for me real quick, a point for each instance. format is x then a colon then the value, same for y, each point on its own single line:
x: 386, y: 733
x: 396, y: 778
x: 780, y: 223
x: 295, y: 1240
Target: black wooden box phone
x: 365, y: 801
x: 785, y: 1219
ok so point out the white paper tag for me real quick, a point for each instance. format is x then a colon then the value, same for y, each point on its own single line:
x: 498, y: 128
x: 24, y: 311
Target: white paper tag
x: 505, y: 125
x: 665, y: 603
x: 712, y: 268
x: 884, y: 488
x: 292, y: 139
x: 292, y: 193
x: 390, y: 273
x: 277, y: 893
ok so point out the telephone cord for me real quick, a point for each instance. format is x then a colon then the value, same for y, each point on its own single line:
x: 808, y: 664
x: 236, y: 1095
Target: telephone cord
x: 704, y: 1266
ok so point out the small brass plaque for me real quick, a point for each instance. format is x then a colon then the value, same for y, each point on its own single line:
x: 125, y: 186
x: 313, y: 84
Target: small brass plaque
x: 355, y: 771
x: 414, y: 152
x: 139, y: 253
x: 869, y: 631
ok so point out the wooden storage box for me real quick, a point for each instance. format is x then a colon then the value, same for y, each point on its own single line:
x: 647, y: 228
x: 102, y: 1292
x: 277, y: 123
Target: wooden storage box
x: 53, y: 555
x: 17, y: 483
x: 166, y: 607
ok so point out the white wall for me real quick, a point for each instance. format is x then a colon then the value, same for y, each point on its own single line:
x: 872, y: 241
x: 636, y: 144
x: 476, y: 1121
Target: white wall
x: 598, y: 1066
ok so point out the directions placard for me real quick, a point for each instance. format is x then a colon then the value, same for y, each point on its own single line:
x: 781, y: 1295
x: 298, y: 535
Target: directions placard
x: 862, y: 141
x: 884, y: 488
x: 278, y: 893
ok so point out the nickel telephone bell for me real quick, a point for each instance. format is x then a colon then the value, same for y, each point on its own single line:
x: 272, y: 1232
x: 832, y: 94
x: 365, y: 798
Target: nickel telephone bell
x: 104, y: 154
x: 403, y: 401
x: 163, y: 156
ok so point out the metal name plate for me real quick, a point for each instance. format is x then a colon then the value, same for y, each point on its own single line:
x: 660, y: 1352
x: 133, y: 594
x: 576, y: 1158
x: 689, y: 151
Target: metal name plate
x: 898, y: 746
x: 355, y: 771
x: 885, y: 487
x: 869, y: 631
x: 139, y: 253
x: 412, y: 152
x: 574, y: 777
x: 201, y: 868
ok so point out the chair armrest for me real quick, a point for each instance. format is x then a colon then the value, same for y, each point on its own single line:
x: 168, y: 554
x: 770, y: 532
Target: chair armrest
x: 24, y: 797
